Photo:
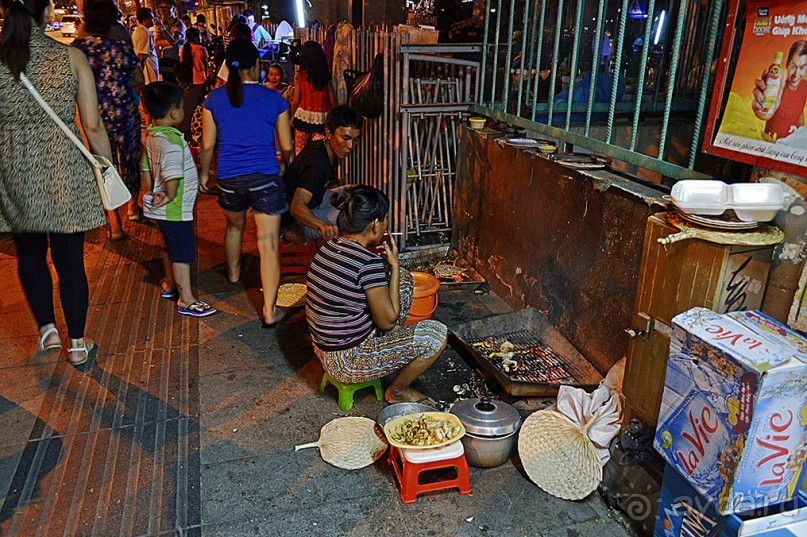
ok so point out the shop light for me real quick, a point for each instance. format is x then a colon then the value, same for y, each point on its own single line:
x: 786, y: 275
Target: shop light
x: 659, y: 27
x: 300, y: 13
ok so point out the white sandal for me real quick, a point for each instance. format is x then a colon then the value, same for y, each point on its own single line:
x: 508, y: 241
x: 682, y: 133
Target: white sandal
x: 53, y: 346
x: 88, y: 348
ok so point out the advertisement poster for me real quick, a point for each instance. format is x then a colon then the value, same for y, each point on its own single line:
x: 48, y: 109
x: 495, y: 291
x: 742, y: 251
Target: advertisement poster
x: 764, y: 115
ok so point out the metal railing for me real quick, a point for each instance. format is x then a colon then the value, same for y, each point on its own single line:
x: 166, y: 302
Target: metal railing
x: 551, y: 68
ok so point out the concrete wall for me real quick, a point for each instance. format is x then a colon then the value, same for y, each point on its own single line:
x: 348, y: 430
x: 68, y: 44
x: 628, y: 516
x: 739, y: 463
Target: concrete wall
x: 565, y: 242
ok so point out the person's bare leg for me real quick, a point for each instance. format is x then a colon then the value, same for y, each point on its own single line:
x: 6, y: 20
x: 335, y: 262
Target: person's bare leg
x: 400, y: 390
x: 232, y: 244
x: 115, y: 225
x: 182, y: 277
x: 268, y: 227
x: 168, y: 283
x: 132, y: 209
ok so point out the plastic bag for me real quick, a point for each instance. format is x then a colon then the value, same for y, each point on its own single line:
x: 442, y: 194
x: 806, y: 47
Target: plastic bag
x: 367, y: 93
x: 599, y: 413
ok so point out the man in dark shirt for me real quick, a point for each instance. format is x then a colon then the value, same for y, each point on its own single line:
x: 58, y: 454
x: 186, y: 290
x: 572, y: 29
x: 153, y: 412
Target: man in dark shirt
x: 312, y: 172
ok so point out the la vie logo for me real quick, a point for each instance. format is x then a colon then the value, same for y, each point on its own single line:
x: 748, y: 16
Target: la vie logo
x: 696, y: 435
x: 775, y: 447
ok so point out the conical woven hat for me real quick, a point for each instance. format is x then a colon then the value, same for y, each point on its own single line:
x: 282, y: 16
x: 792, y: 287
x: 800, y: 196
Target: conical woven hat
x: 558, y: 456
x: 350, y: 443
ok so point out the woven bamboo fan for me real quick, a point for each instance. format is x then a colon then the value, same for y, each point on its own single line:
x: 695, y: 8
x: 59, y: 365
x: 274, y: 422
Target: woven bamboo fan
x: 558, y: 455
x: 349, y: 443
x: 291, y: 295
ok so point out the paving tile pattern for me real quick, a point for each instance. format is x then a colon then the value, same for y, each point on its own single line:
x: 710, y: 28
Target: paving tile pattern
x: 113, y: 446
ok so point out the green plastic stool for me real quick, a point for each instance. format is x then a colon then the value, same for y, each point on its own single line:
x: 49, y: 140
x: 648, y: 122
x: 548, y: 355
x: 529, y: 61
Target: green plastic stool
x: 346, y: 390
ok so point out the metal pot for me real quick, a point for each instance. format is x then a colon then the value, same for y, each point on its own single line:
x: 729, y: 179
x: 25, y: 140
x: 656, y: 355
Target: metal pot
x: 490, y: 430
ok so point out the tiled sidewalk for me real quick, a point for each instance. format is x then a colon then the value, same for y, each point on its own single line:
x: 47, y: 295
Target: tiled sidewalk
x: 188, y: 427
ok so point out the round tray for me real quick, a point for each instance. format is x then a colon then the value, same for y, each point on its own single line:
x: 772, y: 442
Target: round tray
x: 718, y: 222
x: 393, y: 424
x: 523, y: 142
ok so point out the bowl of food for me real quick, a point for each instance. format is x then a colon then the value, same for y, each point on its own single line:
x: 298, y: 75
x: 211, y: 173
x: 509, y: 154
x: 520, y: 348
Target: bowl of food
x: 396, y: 410
x: 424, y: 430
x: 477, y: 122
x: 547, y: 149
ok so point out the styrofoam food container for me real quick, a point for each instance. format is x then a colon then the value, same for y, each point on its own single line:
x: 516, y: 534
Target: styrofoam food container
x: 705, y: 197
x: 757, y: 202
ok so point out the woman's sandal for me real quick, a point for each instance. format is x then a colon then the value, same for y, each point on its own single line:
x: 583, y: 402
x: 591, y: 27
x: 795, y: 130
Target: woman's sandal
x: 53, y: 346
x: 87, y: 351
x: 280, y: 318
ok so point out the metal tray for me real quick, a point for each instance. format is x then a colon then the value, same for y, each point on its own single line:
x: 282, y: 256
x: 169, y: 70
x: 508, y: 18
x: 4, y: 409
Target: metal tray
x: 546, y: 358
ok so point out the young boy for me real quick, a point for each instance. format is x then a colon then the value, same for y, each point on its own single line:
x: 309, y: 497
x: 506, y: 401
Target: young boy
x: 169, y: 172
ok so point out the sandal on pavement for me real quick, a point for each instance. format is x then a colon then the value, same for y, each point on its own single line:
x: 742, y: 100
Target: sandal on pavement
x: 118, y: 235
x: 50, y: 347
x: 197, y: 309
x: 85, y: 350
x: 165, y: 292
x: 280, y: 318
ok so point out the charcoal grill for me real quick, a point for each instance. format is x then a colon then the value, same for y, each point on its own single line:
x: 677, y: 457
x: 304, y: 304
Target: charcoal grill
x: 545, y: 358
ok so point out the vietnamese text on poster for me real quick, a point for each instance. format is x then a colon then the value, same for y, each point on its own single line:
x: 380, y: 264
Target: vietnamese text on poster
x: 765, y: 111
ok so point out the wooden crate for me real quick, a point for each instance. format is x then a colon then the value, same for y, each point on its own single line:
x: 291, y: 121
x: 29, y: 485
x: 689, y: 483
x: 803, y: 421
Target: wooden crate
x: 673, y: 279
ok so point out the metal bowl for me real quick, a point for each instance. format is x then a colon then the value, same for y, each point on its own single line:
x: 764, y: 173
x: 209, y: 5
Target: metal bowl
x: 401, y: 409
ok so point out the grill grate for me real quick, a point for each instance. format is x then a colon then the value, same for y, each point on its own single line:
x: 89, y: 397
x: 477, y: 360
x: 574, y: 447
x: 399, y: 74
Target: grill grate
x: 536, y: 361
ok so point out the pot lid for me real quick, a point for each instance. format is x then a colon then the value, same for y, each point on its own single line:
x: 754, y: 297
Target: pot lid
x: 487, y: 417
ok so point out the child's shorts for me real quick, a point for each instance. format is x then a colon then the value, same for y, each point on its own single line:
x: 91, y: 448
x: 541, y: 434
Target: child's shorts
x: 180, y: 240
x: 263, y: 193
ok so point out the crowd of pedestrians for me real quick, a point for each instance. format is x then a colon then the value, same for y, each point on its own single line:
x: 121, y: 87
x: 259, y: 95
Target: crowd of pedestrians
x: 139, y: 99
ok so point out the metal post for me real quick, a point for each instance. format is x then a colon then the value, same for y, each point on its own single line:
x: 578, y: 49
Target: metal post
x: 537, y: 57
x: 508, y: 61
x: 679, y: 29
x: 648, y: 29
x: 595, y: 63
x: 555, y: 52
x: 578, y: 26
x: 609, y: 128
x: 706, y: 70
x: 524, y: 66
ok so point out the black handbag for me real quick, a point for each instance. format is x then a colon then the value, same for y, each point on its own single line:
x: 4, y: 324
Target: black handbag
x: 366, y: 90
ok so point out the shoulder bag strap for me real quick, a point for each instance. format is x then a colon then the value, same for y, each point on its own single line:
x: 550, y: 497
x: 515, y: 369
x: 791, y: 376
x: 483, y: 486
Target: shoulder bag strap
x: 73, y: 138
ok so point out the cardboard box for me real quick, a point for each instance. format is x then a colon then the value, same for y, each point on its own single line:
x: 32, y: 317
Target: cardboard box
x: 733, y: 415
x: 682, y: 512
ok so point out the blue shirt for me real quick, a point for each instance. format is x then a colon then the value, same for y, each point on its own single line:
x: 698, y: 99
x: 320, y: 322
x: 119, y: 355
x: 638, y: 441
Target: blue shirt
x: 246, y: 135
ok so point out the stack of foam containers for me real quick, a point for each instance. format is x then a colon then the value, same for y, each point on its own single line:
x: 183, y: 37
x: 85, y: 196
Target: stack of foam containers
x: 751, y: 202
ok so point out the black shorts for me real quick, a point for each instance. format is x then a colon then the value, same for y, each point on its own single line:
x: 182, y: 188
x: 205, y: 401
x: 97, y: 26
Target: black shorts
x: 261, y: 192
x: 180, y: 240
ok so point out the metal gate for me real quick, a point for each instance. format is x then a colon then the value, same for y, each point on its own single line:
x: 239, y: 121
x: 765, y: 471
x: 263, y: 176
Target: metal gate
x: 410, y: 151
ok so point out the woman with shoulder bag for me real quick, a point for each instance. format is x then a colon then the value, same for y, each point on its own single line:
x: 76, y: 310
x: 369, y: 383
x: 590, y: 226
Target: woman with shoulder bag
x: 48, y: 194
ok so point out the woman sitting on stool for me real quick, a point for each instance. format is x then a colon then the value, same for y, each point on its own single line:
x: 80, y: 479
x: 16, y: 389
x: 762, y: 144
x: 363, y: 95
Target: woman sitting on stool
x: 356, y: 310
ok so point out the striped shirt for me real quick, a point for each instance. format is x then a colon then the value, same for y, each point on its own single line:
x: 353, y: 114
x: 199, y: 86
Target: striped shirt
x: 336, y: 304
x: 167, y: 156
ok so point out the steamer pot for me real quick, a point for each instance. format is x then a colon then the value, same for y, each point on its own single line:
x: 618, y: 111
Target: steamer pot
x: 490, y: 430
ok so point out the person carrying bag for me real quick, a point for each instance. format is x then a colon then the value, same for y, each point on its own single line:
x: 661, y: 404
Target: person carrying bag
x: 111, y: 187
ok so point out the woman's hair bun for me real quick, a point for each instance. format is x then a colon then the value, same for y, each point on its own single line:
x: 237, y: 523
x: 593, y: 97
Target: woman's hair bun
x: 340, y: 198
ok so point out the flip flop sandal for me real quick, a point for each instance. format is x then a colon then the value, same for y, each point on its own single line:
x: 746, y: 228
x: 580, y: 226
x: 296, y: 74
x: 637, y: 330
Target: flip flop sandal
x: 53, y: 346
x: 170, y: 294
x: 277, y: 322
x: 197, y: 309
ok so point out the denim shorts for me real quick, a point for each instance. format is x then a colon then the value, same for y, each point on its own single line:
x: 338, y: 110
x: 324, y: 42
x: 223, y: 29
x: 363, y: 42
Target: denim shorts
x: 261, y: 192
x: 180, y: 240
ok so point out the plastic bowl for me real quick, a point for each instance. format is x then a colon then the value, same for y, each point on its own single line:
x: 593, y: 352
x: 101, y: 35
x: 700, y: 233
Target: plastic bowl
x: 401, y: 409
x: 477, y: 122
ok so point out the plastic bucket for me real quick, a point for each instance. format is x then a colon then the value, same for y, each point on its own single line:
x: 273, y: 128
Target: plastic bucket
x: 424, y: 300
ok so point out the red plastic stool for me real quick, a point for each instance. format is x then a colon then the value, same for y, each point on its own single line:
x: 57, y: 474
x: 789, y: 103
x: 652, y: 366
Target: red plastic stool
x: 408, y: 472
x: 295, y: 257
